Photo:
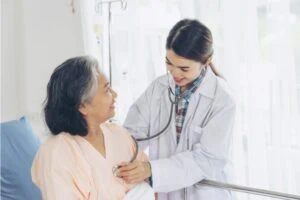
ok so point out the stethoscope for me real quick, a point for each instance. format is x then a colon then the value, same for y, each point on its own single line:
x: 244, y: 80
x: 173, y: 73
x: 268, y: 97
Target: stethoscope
x: 136, y: 140
x: 173, y: 102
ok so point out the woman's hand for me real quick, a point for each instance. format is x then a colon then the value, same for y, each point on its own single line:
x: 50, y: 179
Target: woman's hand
x: 134, y: 172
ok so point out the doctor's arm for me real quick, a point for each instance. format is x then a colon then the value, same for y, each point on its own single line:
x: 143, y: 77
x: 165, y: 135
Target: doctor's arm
x: 207, y: 158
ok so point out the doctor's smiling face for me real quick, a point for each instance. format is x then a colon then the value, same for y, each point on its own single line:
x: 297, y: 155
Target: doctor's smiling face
x: 189, y: 48
x: 183, y: 70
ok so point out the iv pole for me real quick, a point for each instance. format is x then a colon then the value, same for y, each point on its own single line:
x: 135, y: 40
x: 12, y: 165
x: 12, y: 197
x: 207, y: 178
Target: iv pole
x: 123, y: 6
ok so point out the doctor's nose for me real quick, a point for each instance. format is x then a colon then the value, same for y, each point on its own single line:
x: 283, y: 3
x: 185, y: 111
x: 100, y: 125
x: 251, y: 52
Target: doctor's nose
x: 174, y: 72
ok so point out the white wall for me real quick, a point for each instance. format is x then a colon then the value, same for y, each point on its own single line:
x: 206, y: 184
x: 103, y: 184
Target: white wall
x: 37, y: 36
x: 9, y: 54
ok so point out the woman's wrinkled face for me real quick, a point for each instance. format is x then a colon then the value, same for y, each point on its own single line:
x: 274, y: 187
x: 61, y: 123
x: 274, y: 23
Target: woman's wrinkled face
x: 183, y: 70
x: 102, y: 106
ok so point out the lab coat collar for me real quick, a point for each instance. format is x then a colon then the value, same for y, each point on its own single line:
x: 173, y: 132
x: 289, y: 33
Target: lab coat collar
x: 208, y: 86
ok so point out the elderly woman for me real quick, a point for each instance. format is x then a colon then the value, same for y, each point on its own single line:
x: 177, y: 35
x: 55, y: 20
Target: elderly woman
x: 77, y: 162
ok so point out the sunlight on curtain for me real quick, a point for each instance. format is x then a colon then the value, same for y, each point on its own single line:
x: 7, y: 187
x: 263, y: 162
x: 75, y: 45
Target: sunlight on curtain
x: 257, y: 43
x: 257, y: 49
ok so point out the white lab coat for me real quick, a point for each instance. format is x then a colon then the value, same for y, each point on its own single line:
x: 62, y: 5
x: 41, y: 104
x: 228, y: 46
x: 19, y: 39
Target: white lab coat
x: 204, y: 146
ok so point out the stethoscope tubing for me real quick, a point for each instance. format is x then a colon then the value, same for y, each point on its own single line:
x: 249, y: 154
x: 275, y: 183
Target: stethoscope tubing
x: 173, y: 102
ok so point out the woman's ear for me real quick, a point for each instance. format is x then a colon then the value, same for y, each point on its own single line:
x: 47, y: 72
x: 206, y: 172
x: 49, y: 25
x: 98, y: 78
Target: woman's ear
x: 83, y: 109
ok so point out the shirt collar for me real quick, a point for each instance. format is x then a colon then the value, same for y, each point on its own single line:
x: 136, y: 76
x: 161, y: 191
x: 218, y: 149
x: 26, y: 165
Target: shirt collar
x: 191, y: 87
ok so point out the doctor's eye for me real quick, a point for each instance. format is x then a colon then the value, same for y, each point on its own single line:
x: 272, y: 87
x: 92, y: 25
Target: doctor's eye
x: 184, y: 70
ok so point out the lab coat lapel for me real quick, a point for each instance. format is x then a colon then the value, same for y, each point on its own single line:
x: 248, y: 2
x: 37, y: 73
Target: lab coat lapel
x: 205, y: 95
x: 166, y: 107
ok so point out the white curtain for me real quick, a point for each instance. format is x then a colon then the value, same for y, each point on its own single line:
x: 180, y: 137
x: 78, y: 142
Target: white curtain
x: 257, y: 47
x: 256, y: 44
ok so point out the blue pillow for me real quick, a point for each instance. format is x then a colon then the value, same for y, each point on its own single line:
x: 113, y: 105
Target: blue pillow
x: 18, y: 147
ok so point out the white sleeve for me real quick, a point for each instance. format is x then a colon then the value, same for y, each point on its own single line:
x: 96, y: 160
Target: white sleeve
x: 207, y: 158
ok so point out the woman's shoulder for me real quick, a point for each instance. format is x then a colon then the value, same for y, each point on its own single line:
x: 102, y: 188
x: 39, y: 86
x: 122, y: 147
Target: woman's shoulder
x: 63, y: 139
x: 60, y: 157
x: 61, y: 147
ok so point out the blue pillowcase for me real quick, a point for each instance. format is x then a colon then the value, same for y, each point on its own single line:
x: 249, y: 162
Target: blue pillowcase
x: 18, y: 147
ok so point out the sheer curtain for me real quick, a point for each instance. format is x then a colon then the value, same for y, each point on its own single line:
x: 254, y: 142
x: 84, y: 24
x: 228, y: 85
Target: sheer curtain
x: 258, y: 57
x: 257, y: 49
x: 256, y: 43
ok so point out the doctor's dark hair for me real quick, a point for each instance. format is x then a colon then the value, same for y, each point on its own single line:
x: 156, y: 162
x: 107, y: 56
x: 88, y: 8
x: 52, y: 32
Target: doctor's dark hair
x: 192, y: 40
x: 72, y: 83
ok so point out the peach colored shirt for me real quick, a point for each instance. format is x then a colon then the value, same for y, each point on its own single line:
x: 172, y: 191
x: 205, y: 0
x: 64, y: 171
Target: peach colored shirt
x: 69, y: 167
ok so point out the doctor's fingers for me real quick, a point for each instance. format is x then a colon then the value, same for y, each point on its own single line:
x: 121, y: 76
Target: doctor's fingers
x: 123, y: 164
x: 128, y: 167
x: 129, y: 173
x: 137, y: 178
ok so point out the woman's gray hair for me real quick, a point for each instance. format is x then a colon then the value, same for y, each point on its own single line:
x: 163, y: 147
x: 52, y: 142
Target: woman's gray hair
x: 72, y: 83
x: 92, y: 85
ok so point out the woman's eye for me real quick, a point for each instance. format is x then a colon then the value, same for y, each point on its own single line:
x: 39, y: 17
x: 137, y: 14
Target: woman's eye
x: 168, y: 63
x: 107, y: 89
x: 184, y: 70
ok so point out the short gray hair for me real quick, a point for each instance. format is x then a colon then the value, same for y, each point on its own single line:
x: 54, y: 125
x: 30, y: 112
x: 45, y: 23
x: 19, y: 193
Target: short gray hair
x: 92, y: 85
x: 72, y: 83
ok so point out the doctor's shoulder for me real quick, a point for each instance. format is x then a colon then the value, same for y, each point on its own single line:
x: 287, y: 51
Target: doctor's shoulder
x: 224, y: 94
x: 158, y: 85
x: 161, y: 81
x: 154, y: 92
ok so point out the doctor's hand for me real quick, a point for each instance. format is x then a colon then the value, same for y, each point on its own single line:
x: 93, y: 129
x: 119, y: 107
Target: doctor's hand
x: 134, y: 172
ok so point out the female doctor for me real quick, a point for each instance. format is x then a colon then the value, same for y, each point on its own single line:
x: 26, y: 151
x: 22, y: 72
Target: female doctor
x: 196, y: 144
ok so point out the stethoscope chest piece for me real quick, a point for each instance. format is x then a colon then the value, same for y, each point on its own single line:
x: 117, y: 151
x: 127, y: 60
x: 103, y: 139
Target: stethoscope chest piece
x: 115, y: 170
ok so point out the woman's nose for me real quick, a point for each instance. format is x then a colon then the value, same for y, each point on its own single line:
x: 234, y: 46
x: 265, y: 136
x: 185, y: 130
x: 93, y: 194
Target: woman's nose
x: 115, y: 95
